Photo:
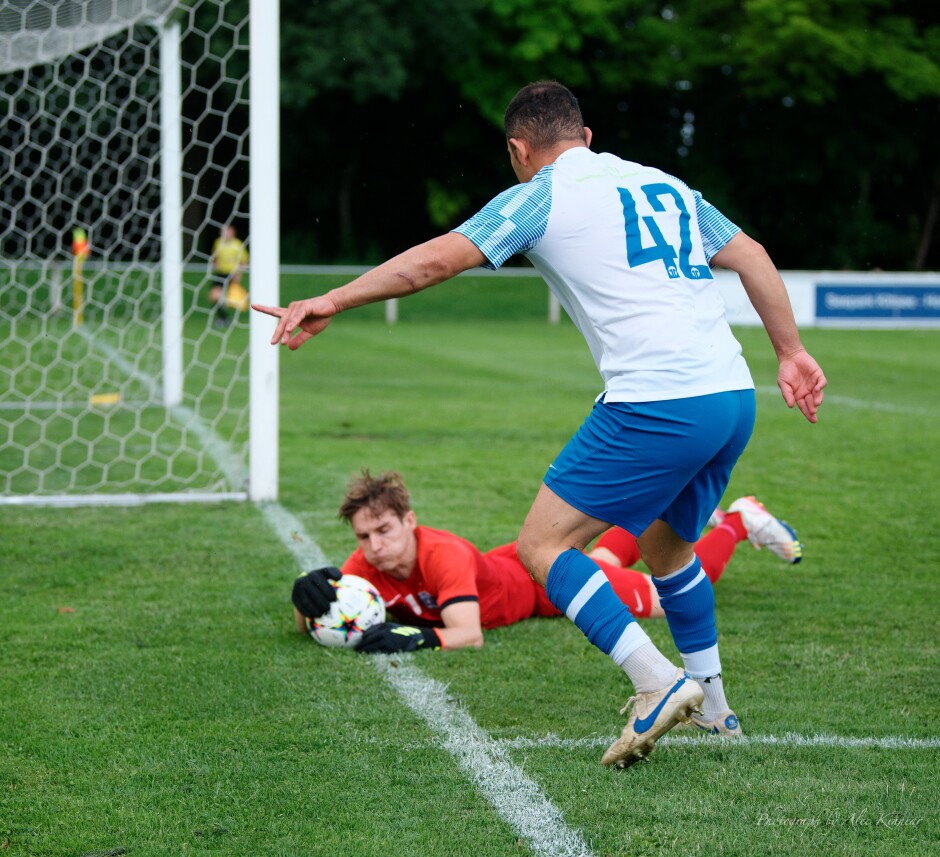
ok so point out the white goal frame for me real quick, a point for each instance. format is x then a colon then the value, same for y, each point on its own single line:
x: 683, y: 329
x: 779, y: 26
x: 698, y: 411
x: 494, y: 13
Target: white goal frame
x: 264, y: 180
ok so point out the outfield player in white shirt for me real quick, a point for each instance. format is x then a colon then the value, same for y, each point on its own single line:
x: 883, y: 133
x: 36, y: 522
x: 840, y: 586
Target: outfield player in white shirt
x: 626, y: 249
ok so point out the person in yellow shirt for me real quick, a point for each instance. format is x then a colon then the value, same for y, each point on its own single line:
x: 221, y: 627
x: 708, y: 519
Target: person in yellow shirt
x: 228, y: 261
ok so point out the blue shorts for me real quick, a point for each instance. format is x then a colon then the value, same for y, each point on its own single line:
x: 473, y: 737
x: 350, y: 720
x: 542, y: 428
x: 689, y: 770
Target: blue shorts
x: 632, y: 463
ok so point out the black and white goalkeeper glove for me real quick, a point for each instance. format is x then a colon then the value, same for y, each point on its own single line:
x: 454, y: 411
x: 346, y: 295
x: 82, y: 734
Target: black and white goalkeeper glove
x: 389, y: 637
x: 312, y: 594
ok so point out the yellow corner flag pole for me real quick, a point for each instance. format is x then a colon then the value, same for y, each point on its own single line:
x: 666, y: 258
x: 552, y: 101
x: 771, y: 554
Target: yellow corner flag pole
x: 80, y: 250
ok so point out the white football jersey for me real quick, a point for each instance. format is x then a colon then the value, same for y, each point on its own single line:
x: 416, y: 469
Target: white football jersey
x: 625, y: 248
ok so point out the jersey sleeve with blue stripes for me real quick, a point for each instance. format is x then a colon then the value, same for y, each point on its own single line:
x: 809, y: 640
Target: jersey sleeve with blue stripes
x: 513, y: 222
x: 716, y: 229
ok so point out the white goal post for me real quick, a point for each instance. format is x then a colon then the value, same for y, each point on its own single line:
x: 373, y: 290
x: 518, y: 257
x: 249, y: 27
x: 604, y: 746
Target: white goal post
x: 135, y: 132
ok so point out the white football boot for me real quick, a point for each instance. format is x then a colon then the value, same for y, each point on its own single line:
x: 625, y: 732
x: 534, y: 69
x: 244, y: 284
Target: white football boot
x: 766, y: 531
x: 653, y: 714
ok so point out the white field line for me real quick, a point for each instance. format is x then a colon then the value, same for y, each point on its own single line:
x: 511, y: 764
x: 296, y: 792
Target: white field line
x: 290, y: 531
x: 63, y: 405
x: 516, y: 798
x: 789, y: 739
x: 123, y: 364
x: 217, y: 449
x: 860, y: 404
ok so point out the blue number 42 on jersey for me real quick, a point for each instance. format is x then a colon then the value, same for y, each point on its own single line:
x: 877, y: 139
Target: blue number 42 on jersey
x: 676, y: 261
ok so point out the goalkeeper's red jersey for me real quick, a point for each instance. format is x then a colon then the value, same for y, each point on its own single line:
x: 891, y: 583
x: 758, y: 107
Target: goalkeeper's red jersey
x: 450, y: 569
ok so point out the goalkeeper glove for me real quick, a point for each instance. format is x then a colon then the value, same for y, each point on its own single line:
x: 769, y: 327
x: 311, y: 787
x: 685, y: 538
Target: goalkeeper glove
x: 389, y: 637
x: 312, y: 593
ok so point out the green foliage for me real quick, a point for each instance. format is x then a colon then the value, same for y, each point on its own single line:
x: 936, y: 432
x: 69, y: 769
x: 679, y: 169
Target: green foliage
x: 367, y: 49
x: 811, y: 123
x: 444, y: 206
x: 526, y: 40
x: 808, y: 49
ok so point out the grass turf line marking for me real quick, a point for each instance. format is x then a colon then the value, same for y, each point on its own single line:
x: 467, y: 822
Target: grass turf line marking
x: 860, y: 404
x: 789, y: 739
x: 56, y: 405
x: 516, y: 798
x: 503, y: 783
x: 290, y: 531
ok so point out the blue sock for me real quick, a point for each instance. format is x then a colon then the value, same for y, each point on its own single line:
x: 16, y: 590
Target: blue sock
x: 688, y: 600
x: 578, y: 588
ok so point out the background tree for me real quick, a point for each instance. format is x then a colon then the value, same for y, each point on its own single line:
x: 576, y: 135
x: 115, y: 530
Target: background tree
x: 371, y: 124
x: 812, y: 123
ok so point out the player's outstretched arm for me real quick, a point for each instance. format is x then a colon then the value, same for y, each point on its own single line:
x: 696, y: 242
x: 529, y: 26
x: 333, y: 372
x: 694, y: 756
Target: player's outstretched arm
x: 418, y: 268
x: 800, y: 378
x: 462, y: 626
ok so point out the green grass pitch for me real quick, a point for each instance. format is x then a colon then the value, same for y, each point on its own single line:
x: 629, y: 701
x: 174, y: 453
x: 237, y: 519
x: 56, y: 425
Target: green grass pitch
x: 155, y: 698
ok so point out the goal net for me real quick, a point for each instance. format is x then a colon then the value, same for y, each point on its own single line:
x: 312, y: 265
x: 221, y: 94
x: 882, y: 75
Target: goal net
x: 130, y: 370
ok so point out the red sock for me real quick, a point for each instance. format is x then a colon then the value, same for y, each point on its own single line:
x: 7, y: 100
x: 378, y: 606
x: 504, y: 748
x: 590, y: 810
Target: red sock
x: 715, y: 548
x: 733, y: 520
x: 621, y: 544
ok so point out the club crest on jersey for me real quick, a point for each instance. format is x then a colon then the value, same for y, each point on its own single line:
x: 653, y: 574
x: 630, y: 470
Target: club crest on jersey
x: 427, y: 600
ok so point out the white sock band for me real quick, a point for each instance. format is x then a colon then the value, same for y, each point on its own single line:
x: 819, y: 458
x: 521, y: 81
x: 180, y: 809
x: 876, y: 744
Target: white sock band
x: 631, y: 639
x: 703, y: 664
x: 594, y: 582
x: 678, y: 571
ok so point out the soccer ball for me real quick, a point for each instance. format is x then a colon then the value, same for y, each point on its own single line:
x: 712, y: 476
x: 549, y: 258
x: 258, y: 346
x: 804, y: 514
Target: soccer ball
x: 358, y: 606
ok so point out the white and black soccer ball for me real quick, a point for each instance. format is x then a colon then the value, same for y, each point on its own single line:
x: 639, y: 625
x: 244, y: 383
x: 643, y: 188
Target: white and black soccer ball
x: 358, y: 606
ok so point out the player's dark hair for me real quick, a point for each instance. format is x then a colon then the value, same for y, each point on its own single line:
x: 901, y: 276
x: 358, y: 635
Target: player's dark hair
x: 377, y: 493
x: 543, y: 114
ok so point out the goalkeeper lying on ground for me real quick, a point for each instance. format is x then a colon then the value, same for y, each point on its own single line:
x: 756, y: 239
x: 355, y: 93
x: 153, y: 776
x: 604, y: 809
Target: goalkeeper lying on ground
x: 443, y: 591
